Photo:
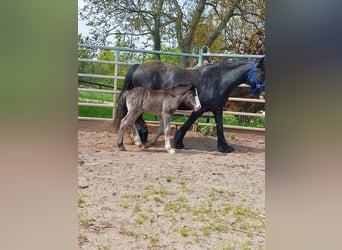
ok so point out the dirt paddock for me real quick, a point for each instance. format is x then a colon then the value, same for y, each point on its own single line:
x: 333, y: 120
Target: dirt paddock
x: 197, y: 198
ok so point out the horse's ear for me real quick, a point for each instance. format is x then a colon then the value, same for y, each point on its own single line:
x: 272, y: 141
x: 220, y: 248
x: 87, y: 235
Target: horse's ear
x: 191, y: 86
x: 261, y: 62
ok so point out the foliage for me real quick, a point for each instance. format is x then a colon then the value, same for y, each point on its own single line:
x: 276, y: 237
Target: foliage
x: 249, y: 107
x: 102, y: 68
x: 226, y: 26
x: 176, y: 60
x: 208, y: 130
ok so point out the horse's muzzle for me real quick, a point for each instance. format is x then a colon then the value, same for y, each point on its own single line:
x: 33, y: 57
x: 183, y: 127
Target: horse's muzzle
x: 198, y: 107
x: 197, y: 101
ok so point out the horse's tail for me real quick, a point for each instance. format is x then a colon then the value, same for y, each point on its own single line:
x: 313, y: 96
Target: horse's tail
x: 121, y: 108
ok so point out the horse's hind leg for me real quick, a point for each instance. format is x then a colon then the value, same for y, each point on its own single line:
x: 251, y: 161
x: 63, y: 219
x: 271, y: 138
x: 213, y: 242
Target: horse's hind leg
x: 127, y: 120
x: 121, y: 134
x: 156, y: 136
x: 137, y: 140
x: 143, y: 131
x: 222, y: 144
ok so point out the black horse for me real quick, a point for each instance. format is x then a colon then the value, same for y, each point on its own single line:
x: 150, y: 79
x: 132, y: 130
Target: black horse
x: 213, y: 82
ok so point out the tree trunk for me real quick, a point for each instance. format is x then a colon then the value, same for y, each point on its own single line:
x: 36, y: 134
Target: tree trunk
x: 156, y: 30
x: 223, y: 23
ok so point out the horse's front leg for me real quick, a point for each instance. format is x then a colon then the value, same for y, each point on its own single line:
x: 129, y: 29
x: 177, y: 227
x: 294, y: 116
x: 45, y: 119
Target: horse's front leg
x: 167, y: 128
x: 222, y: 144
x: 143, y: 131
x: 178, y: 139
x: 156, y: 136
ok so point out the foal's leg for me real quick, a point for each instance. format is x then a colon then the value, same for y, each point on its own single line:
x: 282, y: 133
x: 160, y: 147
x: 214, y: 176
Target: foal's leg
x: 166, y: 121
x: 156, y: 136
x: 121, y: 133
x: 127, y: 120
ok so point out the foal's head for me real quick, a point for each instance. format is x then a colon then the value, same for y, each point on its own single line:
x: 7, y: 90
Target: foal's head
x: 189, y: 100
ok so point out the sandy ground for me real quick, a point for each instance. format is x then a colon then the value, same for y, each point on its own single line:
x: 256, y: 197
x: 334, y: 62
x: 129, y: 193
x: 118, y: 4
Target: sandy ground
x: 197, y: 198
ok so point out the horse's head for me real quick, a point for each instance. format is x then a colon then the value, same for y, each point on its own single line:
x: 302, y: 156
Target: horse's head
x: 256, y: 76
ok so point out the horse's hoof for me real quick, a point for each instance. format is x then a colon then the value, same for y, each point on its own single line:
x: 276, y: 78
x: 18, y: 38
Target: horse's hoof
x: 226, y: 149
x: 179, y: 145
x: 143, y: 136
x: 122, y: 148
x: 131, y: 138
x: 171, y: 151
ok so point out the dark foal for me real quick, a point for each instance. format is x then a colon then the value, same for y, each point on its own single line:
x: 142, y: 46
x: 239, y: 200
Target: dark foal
x: 159, y: 102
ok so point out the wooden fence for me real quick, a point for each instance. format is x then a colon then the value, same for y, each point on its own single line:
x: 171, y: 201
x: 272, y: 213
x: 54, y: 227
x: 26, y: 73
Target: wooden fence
x: 116, y: 91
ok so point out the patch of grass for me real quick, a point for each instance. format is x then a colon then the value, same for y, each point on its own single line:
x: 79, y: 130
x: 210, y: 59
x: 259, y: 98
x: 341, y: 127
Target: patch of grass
x: 208, y: 130
x: 177, y: 207
x: 151, y: 190
x: 125, y: 205
x: 232, y: 194
x: 91, y: 169
x: 169, y: 179
x: 227, y: 208
x: 137, y: 208
x: 227, y: 247
x: 219, y: 191
x: 245, y: 246
x: 103, y: 247
x: 184, y: 188
x: 96, y: 96
x: 240, y: 210
x: 152, y: 238
x: 245, y: 226
x: 256, y: 122
x: 221, y: 229
x: 80, y: 199
x: 125, y: 196
x: 157, y: 199
x: 95, y: 112
x: 146, y: 197
x: 185, y: 231
x: 141, y: 219
x: 182, y: 199
x: 206, y: 231
x: 82, y: 219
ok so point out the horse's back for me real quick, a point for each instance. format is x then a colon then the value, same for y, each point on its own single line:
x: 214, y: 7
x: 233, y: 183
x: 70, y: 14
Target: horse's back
x: 160, y: 75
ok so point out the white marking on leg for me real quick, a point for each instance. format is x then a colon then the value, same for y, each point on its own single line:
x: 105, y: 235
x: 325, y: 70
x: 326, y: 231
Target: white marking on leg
x: 137, y: 139
x: 197, y: 101
x: 168, y: 147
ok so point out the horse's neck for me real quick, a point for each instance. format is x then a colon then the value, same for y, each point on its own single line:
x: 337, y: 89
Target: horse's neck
x: 234, y: 77
x: 179, y: 91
